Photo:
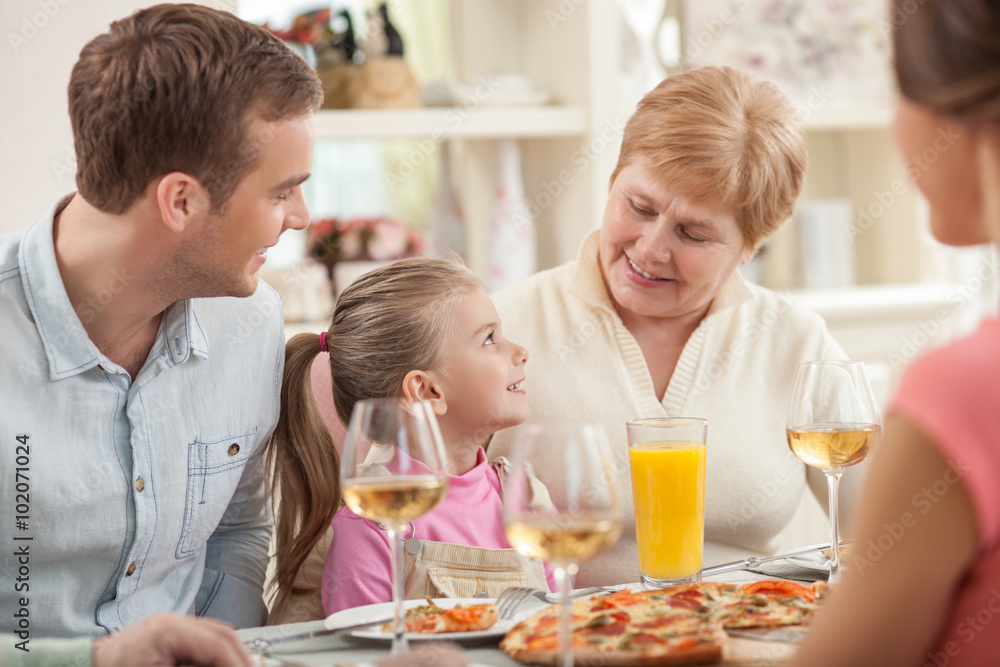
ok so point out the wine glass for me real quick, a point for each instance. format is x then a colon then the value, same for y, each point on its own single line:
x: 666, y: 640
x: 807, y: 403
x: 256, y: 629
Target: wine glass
x: 393, y: 471
x: 833, y: 422
x: 565, y: 523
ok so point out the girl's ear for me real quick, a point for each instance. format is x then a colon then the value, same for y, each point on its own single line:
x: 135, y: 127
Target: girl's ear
x: 421, y: 386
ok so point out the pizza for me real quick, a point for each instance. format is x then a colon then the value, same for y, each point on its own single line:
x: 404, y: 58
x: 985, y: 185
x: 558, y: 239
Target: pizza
x: 432, y: 619
x: 680, y: 625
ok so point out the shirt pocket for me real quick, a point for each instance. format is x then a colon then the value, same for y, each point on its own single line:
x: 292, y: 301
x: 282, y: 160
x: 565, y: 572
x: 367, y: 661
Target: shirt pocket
x: 214, y: 471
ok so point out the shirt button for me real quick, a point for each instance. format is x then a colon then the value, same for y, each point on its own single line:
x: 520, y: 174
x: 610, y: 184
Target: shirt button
x: 139, y: 484
x: 130, y: 570
x: 234, y: 449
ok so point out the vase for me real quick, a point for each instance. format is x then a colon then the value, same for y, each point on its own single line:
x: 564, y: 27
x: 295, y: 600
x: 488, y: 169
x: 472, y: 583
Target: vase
x: 445, y: 225
x: 512, y: 229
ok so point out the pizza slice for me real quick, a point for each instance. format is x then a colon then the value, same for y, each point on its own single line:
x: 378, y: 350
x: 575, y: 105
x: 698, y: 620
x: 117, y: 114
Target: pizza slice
x: 771, y: 603
x: 432, y: 619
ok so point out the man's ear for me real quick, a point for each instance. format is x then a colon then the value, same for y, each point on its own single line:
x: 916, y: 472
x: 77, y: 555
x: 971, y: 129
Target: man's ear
x: 181, y: 200
x: 422, y: 386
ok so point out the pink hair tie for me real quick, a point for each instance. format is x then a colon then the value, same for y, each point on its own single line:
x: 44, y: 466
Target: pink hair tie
x: 322, y: 342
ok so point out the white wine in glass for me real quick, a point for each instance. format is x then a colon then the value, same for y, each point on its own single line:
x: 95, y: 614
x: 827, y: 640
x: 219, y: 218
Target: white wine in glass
x: 833, y: 422
x: 393, y: 470
x: 395, y: 500
x: 572, y: 522
x: 566, y: 540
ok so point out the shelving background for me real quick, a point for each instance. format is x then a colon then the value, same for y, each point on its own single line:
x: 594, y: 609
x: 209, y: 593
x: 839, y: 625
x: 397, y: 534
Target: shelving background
x: 581, y: 53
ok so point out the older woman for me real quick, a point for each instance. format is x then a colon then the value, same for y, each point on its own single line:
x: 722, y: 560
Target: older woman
x: 654, y: 320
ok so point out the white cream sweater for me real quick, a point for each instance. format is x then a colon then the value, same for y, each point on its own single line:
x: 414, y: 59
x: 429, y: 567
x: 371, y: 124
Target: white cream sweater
x: 737, y: 370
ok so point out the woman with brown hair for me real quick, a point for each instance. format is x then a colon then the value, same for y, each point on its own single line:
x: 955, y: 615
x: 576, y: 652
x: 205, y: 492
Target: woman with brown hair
x: 925, y: 574
x: 654, y: 320
x: 424, y: 329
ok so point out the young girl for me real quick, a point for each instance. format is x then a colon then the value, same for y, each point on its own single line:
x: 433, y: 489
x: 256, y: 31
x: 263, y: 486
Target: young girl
x: 423, y: 329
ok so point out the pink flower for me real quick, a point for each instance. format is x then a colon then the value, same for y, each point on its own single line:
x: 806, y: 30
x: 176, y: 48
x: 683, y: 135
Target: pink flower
x: 332, y: 240
x: 389, y: 240
x: 352, y: 245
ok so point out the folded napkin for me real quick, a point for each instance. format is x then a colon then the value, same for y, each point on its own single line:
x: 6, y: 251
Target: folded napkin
x: 786, y: 570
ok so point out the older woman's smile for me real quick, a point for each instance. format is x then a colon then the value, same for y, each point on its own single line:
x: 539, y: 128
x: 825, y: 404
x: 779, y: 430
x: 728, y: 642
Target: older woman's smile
x: 645, y: 276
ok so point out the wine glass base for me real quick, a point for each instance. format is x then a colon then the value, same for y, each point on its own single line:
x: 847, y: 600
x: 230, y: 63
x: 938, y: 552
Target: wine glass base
x: 399, y: 646
x: 652, y: 582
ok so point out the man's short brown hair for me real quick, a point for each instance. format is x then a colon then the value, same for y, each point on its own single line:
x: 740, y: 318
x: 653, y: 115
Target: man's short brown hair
x: 175, y: 88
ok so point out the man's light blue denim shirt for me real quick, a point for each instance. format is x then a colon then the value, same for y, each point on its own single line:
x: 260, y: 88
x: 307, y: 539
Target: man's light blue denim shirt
x: 119, y: 498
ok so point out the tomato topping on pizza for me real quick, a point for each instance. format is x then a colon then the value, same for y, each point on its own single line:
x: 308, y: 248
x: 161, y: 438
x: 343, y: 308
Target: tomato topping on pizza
x: 774, y: 588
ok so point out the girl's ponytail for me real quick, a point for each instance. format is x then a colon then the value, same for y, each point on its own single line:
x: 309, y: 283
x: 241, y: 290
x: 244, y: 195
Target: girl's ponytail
x: 304, y: 468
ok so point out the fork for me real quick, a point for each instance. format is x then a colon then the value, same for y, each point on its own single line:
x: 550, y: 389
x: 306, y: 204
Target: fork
x: 509, y: 600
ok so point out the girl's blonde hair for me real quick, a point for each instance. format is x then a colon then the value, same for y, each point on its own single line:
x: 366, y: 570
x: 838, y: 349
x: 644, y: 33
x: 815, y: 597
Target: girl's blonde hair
x: 387, y: 323
x: 726, y: 138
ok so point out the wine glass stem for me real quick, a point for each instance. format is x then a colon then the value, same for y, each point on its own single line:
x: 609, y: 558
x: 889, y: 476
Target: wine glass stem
x: 565, y: 658
x: 399, y: 643
x: 833, y: 485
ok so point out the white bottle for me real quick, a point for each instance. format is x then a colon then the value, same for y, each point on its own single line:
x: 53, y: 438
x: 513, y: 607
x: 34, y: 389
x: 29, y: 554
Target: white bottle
x: 445, y: 222
x: 512, y: 229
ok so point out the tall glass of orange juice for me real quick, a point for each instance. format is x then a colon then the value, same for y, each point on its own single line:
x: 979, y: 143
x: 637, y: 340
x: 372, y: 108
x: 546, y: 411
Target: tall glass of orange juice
x: 668, y: 486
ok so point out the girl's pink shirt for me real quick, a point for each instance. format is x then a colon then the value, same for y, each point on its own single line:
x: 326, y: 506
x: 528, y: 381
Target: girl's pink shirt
x: 953, y: 395
x: 357, y: 566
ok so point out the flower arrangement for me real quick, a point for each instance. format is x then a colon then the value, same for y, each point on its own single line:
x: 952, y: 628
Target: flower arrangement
x: 332, y: 240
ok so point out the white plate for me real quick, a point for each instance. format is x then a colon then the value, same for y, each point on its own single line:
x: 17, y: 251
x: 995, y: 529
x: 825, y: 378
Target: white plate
x: 380, y: 611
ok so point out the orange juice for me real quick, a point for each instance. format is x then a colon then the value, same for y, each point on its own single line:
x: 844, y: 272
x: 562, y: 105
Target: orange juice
x: 668, y: 486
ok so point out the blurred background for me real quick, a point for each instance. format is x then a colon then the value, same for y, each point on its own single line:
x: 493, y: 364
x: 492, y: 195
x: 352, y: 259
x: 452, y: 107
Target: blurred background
x: 490, y: 128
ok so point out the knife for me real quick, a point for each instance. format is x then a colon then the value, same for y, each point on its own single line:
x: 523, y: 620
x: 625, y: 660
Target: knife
x: 786, y: 635
x: 263, y: 647
x: 753, y: 561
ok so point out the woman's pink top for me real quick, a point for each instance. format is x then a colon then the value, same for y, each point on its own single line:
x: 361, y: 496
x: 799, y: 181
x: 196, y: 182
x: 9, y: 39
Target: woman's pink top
x: 357, y: 565
x: 953, y: 395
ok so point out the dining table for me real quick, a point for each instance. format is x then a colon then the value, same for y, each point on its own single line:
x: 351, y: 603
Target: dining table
x: 346, y: 649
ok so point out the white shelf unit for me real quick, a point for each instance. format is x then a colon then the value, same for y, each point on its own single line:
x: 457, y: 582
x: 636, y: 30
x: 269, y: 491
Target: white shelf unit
x: 496, y: 122
x: 578, y: 58
x: 885, y: 326
x: 852, y: 156
x: 843, y: 118
x: 862, y: 164
x: 570, y: 49
x: 568, y: 147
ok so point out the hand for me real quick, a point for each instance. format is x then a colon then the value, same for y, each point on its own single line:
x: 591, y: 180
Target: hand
x: 169, y: 639
x: 428, y: 655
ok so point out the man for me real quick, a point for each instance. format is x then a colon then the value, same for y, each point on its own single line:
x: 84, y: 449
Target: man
x: 136, y: 396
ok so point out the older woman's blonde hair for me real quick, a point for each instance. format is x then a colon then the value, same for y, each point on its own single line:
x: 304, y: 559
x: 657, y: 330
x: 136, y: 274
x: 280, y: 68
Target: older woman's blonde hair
x: 725, y: 139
